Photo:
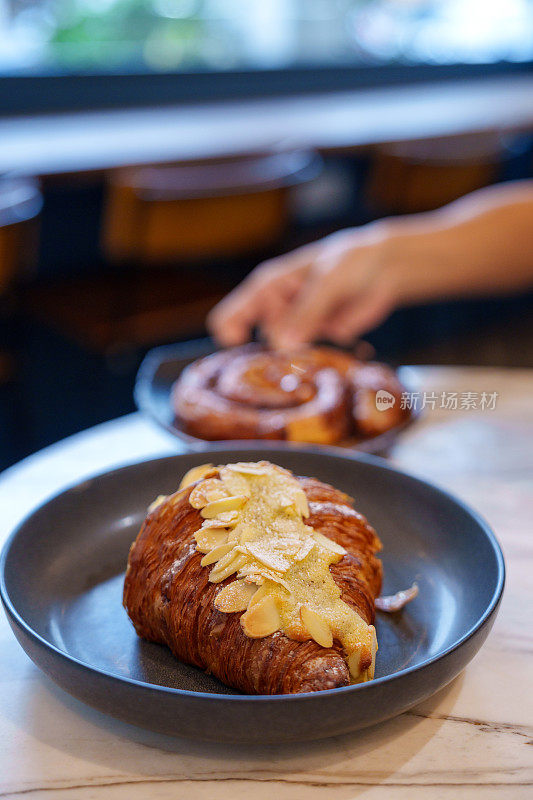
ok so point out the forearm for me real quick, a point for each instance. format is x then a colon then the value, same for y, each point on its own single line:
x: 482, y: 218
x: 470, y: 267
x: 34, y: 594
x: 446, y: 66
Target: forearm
x: 341, y: 286
x: 479, y: 245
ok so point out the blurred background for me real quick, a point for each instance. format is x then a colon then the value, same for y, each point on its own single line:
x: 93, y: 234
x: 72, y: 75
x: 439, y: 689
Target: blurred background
x: 228, y: 34
x: 153, y: 151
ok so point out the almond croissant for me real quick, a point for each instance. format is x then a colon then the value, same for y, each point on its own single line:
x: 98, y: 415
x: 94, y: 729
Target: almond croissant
x: 170, y: 599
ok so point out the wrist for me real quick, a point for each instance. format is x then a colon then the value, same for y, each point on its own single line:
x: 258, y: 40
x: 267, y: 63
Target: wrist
x: 399, y: 259
x: 416, y: 262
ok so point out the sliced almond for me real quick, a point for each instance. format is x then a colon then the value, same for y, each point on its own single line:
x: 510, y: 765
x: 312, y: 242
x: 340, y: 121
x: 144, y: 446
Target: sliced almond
x: 329, y: 544
x: 302, y: 506
x: 316, y: 626
x: 251, y: 467
x: 354, y: 664
x: 280, y: 470
x: 233, y: 536
x: 157, y: 502
x: 359, y: 656
x: 196, y: 474
x: 261, y: 619
x: 234, y: 481
x: 228, y: 519
x: 285, y: 501
x: 258, y: 574
x: 208, y: 539
x: 304, y: 550
x: 373, y: 649
x: 270, y: 558
x: 258, y: 596
x: 255, y: 578
x: 395, y: 602
x: 218, y: 507
x: 226, y: 558
x: 222, y: 571
x: 235, y: 597
x: 207, y: 492
x: 250, y: 574
x: 216, y: 554
x: 275, y: 577
x: 248, y: 569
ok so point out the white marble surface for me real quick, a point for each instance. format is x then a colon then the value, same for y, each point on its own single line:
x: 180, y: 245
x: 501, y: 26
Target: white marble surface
x: 471, y: 740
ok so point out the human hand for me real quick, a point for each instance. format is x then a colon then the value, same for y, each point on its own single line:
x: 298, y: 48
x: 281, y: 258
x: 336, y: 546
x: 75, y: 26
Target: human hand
x: 345, y: 284
x: 336, y: 288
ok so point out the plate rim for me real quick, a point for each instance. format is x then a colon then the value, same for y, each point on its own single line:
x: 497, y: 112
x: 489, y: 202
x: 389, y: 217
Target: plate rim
x: 374, y: 461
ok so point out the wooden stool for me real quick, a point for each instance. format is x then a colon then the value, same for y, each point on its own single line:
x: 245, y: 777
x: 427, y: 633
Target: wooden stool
x: 420, y: 176
x: 211, y: 209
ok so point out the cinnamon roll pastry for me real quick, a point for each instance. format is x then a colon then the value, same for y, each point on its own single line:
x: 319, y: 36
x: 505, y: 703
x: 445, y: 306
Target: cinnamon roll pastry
x: 266, y: 580
x: 317, y: 394
x: 369, y: 381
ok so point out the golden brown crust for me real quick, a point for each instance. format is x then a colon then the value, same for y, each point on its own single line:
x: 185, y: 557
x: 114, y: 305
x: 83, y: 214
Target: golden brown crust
x: 316, y: 394
x: 366, y: 381
x: 169, y: 599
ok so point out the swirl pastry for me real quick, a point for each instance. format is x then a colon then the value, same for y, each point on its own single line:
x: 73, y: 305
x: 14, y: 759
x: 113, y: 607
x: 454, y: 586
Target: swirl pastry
x: 265, y: 580
x: 316, y: 394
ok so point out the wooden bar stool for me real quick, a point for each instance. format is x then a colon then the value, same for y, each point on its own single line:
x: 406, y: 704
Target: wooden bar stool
x: 202, y: 210
x: 423, y: 175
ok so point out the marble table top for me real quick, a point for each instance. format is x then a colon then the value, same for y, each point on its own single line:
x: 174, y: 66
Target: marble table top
x: 468, y: 741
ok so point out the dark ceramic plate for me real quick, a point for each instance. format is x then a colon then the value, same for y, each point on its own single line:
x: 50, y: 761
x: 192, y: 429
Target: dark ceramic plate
x: 61, y: 585
x: 162, y: 366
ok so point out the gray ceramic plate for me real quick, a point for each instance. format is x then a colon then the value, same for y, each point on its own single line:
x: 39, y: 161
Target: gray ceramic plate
x: 162, y: 366
x: 61, y: 584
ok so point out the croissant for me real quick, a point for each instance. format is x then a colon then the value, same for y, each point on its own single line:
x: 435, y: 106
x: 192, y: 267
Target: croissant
x: 316, y: 394
x: 243, y: 620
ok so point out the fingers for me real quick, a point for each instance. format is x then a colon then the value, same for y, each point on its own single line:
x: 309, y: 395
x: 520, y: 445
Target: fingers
x: 319, y: 295
x: 334, y: 288
x: 346, y: 292
x: 262, y: 298
x: 277, y: 300
x: 233, y: 318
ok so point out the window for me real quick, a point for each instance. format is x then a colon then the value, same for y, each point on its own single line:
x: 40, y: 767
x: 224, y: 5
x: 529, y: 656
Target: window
x: 77, y: 54
x: 112, y: 36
